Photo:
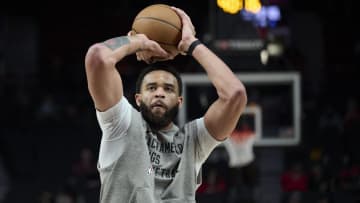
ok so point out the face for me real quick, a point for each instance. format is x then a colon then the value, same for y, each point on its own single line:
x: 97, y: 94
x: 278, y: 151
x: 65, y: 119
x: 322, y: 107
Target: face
x: 159, y: 99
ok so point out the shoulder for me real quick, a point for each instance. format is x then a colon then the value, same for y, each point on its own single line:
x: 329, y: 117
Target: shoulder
x: 195, y: 126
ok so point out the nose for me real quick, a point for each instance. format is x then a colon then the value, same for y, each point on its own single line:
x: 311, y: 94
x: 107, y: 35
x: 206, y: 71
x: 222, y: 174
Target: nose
x: 160, y: 93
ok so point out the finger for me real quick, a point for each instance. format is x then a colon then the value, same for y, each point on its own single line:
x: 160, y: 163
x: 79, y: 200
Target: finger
x: 182, y: 13
x: 192, y: 27
x: 138, y: 57
x: 186, y: 20
x: 159, y: 50
x: 131, y: 32
x: 187, y: 17
x: 180, y: 47
x: 147, y: 56
x: 149, y: 61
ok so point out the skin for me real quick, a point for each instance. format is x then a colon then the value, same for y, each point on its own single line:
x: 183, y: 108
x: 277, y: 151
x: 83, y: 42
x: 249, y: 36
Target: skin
x: 106, y: 89
x: 160, y: 92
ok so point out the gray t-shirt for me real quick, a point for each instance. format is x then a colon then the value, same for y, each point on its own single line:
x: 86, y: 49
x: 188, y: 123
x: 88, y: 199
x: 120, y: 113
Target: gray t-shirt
x: 165, y: 148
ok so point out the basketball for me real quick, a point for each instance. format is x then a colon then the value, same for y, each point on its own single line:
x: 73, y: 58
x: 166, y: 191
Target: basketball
x: 161, y: 24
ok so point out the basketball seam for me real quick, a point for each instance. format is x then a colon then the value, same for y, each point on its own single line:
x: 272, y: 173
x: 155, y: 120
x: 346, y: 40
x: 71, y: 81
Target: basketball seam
x: 157, y: 41
x: 163, y: 21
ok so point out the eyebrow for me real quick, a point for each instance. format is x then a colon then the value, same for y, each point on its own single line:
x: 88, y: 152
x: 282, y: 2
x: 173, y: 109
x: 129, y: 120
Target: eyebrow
x: 169, y: 85
x: 150, y: 84
x: 154, y: 83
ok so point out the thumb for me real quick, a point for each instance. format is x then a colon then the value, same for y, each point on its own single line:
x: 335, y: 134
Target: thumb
x: 182, y: 47
x: 131, y: 33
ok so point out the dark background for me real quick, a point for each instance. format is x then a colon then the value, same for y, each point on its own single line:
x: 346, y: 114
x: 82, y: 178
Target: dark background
x: 47, y: 115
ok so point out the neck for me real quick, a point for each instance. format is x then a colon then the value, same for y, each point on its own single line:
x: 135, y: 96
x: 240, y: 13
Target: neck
x: 157, y: 128
x: 168, y: 127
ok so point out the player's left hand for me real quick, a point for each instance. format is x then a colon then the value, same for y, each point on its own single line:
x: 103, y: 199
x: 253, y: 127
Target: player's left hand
x: 188, y: 31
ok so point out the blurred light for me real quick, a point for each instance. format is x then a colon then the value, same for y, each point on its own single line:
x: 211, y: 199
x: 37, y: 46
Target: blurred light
x: 275, y: 49
x: 253, y: 6
x: 239, y: 44
x: 234, y: 6
x: 264, y: 56
x: 273, y: 13
x: 230, y: 6
x: 267, y: 16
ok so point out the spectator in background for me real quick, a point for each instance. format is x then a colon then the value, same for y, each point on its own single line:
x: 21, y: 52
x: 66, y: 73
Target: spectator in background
x: 214, y: 183
x: 85, y: 167
x: 294, y: 182
x: 295, y: 179
x: 349, y: 175
x: 318, y: 181
x: 213, y: 188
x: 85, y: 178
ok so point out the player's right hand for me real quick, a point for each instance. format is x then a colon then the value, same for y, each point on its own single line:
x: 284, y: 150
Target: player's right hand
x: 148, y: 50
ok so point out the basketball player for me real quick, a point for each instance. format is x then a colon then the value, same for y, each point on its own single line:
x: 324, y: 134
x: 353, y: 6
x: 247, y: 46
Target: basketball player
x: 144, y: 156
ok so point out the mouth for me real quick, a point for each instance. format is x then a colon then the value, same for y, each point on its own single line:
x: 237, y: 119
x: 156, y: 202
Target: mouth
x: 158, y: 104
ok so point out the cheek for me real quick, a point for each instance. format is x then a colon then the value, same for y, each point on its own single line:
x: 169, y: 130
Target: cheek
x: 174, y: 100
x: 145, y: 98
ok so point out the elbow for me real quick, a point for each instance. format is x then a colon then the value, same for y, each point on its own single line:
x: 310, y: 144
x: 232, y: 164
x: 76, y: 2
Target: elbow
x: 94, y: 57
x: 239, y: 96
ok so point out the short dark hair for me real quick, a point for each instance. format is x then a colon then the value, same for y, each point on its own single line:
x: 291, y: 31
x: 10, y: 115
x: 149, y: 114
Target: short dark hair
x: 155, y: 67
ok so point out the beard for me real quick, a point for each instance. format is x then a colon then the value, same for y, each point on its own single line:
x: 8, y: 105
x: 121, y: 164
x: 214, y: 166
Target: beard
x: 155, y: 121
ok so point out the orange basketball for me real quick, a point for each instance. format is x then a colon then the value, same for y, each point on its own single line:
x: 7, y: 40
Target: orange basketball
x: 159, y: 23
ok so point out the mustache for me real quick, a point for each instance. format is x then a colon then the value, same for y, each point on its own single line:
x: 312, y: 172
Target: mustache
x: 158, y: 103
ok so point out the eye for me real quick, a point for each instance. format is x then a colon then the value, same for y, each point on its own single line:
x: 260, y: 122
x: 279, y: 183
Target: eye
x: 151, y: 88
x: 169, y: 89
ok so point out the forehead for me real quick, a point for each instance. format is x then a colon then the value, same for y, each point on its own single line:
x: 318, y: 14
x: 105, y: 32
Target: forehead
x: 160, y: 77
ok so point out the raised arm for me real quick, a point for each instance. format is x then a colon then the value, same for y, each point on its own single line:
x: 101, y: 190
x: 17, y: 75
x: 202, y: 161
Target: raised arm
x: 223, y: 115
x: 104, y: 81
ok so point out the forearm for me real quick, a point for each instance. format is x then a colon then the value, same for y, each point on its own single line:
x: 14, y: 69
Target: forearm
x: 122, y: 46
x: 224, y: 80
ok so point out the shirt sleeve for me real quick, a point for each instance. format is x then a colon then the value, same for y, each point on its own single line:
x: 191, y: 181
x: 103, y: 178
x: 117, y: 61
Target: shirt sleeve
x: 115, y: 121
x: 205, y: 144
x: 114, y: 124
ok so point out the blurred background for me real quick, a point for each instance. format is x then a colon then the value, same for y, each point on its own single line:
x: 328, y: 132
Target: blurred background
x: 49, y: 136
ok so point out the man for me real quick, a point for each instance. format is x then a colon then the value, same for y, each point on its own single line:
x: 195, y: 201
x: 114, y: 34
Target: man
x: 144, y: 156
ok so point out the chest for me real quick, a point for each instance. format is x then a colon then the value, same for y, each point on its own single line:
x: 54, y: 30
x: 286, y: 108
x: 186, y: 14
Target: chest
x: 165, y: 151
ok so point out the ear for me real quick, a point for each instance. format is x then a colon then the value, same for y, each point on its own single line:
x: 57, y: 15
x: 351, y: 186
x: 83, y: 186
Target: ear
x: 180, y: 100
x: 138, y: 99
